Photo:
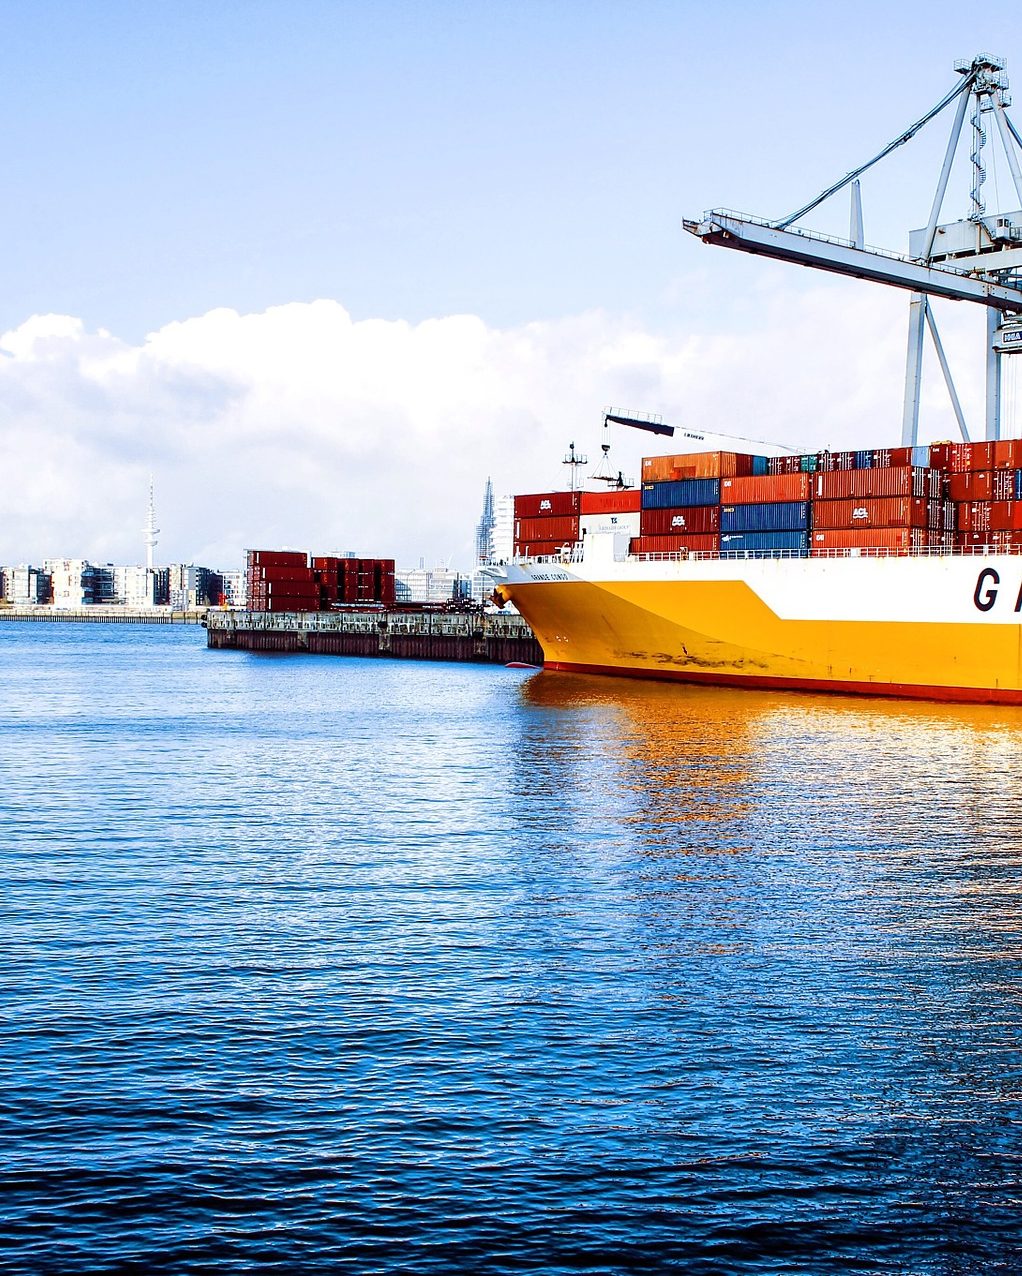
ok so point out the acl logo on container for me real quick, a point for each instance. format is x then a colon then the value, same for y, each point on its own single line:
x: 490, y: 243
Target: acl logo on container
x: 678, y: 521
x: 985, y: 593
x: 545, y: 505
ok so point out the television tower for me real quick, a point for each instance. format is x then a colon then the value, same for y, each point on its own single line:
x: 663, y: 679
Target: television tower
x: 484, y: 530
x: 150, y: 531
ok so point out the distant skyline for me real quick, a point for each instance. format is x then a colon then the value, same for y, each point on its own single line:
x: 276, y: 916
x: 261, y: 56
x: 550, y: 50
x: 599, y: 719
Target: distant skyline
x: 324, y: 267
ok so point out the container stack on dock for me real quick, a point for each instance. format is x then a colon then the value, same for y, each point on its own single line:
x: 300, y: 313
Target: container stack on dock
x: 286, y: 581
x: 893, y: 500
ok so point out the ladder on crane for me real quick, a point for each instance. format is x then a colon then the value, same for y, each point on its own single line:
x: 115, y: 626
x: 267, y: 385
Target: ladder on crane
x: 978, y: 259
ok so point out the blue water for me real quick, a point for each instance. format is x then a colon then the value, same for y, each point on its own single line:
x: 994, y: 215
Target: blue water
x: 313, y: 964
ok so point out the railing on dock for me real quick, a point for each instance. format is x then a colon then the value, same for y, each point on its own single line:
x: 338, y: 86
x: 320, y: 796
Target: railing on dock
x: 427, y: 635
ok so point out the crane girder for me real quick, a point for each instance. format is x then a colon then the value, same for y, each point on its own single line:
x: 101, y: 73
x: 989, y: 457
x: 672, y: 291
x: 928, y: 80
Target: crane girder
x: 731, y: 230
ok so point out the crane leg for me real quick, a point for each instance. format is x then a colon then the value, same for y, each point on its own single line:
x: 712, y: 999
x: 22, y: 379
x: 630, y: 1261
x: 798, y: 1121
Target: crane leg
x: 913, y: 370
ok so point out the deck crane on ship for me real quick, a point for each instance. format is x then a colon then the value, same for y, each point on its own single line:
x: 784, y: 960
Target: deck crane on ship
x: 978, y: 259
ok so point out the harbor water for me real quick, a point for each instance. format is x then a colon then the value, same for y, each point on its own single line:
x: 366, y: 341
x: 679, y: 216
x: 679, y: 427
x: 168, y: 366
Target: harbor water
x: 315, y: 964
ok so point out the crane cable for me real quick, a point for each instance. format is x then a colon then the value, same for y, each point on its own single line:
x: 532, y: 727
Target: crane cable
x: 963, y: 86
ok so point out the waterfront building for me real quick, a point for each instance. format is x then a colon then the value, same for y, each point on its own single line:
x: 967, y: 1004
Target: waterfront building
x: 74, y: 581
x: 502, y: 536
x: 26, y: 586
x: 235, y: 588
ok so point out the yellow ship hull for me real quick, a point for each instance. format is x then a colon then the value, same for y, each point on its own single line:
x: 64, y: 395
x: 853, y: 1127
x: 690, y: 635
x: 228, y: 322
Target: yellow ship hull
x: 944, y: 628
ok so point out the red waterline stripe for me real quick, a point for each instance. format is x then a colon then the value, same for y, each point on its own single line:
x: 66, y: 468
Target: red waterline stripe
x: 907, y: 691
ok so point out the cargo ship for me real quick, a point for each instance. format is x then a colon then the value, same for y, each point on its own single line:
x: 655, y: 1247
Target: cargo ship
x: 839, y: 572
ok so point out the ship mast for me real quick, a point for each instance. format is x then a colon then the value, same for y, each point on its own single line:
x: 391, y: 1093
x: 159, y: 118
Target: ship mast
x: 978, y: 259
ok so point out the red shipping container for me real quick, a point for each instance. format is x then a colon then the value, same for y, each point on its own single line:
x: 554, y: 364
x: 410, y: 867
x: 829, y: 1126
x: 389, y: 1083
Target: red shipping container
x: 564, y: 530
x: 697, y: 520
x: 878, y: 511
x: 548, y: 505
x: 973, y: 516
x: 277, y: 557
x: 706, y: 544
x: 1008, y: 454
x: 891, y: 457
x: 900, y: 539
x: 613, y: 502
x: 1004, y: 485
x: 1006, y: 516
x: 843, y: 460
x: 905, y: 480
x: 764, y: 489
x: 972, y: 485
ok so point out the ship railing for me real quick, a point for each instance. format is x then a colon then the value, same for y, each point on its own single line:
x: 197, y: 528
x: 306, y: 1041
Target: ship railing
x: 862, y: 551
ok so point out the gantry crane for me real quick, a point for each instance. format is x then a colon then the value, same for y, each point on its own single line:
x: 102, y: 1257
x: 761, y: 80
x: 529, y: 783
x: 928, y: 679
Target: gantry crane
x: 978, y: 259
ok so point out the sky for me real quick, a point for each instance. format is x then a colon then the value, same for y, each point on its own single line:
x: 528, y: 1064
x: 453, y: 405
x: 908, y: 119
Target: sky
x: 323, y: 268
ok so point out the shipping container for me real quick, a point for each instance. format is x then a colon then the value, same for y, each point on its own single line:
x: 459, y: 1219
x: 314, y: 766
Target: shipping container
x: 772, y: 487
x: 777, y: 516
x: 548, y: 505
x: 759, y: 466
x: 628, y: 501
x: 1006, y: 516
x: 901, y: 539
x: 972, y: 516
x: 901, y: 480
x: 971, y: 485
x: 680, y: 493
x: 277, y: 558
x: 694, y: 520
x: 657, y: 469
x: 784, y: 465
x: 864, y: 459
x: 879, y: 511
x: 765, y: 544
x: 708, y: 543
x: 547, y: 529
x: 1008, y: 454
x: 711, y: 465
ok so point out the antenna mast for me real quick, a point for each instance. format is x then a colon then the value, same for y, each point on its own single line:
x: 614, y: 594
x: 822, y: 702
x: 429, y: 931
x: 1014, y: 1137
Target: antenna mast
x: 150, y: 531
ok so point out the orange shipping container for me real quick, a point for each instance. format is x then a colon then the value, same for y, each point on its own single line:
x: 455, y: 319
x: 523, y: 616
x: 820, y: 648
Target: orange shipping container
x: 686, y: 465
x: 765, y: 489
x: 890, y: 538
x: 613, y: 502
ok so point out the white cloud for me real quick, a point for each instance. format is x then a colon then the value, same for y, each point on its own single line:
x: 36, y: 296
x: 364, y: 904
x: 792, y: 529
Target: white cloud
x: 301, y: 426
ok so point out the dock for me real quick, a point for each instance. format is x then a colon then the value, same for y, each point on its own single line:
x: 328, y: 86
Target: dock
x: 100, y: 614
x: 483, y: 638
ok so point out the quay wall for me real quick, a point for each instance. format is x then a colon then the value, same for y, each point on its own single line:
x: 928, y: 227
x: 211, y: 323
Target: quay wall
x: 457, y: 636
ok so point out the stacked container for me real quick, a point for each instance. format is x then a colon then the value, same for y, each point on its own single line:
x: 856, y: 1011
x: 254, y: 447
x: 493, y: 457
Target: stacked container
x: 284, y: 580
x: 545, y: 522
x: 281, y: 580
x: 984, y: 482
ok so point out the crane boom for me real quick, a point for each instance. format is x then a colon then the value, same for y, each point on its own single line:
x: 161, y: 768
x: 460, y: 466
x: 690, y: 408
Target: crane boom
x: 750, y: 235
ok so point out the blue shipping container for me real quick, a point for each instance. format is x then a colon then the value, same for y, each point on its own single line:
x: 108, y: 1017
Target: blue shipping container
x: 921, y: 456
x: 809, y: 462
x: 777, y: 516
x: 1018, y: 485
x: 763, y: 544
x: 680, y: 493
x: 864, y: 459
x: 759, y: 466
